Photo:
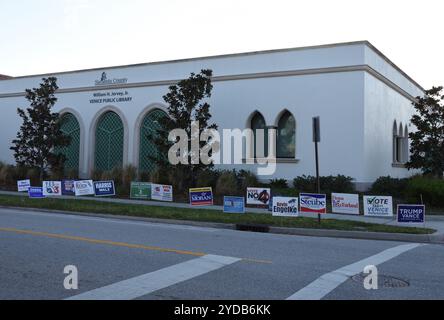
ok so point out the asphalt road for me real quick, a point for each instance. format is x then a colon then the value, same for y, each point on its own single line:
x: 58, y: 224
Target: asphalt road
x: 119, y: 259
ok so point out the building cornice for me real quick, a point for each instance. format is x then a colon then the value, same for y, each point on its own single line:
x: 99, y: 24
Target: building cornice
x: 234, y: 55
x: 262, y: 75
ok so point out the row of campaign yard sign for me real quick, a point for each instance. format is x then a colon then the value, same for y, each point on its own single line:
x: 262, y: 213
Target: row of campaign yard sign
x: 68, y: 188
x: 374, y: 206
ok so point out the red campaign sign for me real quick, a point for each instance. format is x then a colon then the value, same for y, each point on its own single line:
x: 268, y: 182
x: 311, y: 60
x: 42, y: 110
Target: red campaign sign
x: 313, y: 203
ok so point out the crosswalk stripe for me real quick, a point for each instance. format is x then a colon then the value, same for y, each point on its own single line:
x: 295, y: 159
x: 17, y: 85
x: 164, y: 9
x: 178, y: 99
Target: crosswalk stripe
x: 143, y: 285
x: 330, y: 281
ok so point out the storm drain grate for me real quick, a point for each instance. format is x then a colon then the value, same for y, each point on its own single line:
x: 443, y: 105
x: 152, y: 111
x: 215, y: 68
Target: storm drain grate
x: 384, y: 281
x: 253, y: 228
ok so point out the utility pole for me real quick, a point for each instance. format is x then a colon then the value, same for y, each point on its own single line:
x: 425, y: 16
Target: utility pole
x: 317, y: 140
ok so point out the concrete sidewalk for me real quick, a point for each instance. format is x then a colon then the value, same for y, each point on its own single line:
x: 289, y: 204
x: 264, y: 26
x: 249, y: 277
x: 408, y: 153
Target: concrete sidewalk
x: 432, y: 221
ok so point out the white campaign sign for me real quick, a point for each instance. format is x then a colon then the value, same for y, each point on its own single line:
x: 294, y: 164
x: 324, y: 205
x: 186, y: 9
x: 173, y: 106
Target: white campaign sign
x: 378, y: 206
x: 285, y: 207
x: 84, y: 188
x: 345, y: 203
x: 161, y: 192
x: 52, y: 188
x: 258, y: 196
x: 23, y: 185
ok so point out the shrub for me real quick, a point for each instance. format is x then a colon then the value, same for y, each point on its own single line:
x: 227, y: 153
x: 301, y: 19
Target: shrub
x: 34, y: 175
x: 305, y: 183
x: 129, y: 175
x: 145, y: 176
x: 279, y: 184
x: 329, y: 184
x: 72, y: 174
x: 8, y: 176
x: 114, y: 174
x: 431, y: 189
x: 96, y: 175
x: 208, y: 178
x: 160, y: 176
x: 227, y: 184
x: 339, y: 184
x: 390, y: 186
x: 247, y: 179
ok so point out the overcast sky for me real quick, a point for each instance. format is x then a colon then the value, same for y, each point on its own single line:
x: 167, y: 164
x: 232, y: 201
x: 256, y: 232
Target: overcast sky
x: 47, y: 36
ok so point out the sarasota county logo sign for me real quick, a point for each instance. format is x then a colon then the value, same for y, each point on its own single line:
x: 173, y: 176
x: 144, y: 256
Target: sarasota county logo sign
x: 104, y: 81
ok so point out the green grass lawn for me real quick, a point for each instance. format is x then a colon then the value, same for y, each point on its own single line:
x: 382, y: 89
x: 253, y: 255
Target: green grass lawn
x: 199, y: 215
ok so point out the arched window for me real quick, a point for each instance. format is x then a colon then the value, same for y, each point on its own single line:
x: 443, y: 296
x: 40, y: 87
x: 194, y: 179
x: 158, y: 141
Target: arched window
x: 400, y: 144
x: 260, y: 134
x: 148, y: 149
x: 406, y: 145
x: 109, y: 142
x: 70, y: 127
x: 286, y: 136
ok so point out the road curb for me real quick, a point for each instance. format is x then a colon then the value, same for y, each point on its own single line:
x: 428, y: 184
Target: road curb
x: 401, y: 237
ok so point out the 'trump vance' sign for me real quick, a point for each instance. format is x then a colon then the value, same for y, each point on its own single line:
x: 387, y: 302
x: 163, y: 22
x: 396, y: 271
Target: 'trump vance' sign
x: 201, y: 197
x: 258, y: 196
x: 313, y: 203
x: 378, y: 206
x: 411, y: 213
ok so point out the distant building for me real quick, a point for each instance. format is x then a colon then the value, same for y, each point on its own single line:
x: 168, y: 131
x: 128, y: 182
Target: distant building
x: 363, y: 99
x: 4, y: 77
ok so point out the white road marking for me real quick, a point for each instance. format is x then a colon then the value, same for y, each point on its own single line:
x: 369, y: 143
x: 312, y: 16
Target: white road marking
x: 143, y: 285
x: 330, y: 281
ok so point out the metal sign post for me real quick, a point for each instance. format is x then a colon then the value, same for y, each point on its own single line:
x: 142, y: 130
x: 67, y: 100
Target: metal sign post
x: 317, y: 140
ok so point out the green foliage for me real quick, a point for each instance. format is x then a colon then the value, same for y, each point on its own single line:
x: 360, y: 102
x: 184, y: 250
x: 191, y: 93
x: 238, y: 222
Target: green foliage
x: 227, y: 184
x: 160, y: 176
x: 187, y: 103
x: 305, y: 183
x: 279, y: 183
x: 427, y: 142
x: 431, y: 189
x: 247, y: 179
x: 40, y: 132
x: 390, y: 186
x: 208, y: 178
x: 329, y: 184
x: 8, y: 176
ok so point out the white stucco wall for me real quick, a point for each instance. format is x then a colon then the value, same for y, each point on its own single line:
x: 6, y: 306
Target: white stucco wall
x: 357, y: 105
x: 383, y: 106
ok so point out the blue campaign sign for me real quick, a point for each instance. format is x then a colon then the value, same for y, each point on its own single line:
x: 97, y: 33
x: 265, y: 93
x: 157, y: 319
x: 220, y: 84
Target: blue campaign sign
x: 411, y: 213
x: 104, y: 189
x: 68, y: 188
x: 234, y: 205
x: 36, y: 193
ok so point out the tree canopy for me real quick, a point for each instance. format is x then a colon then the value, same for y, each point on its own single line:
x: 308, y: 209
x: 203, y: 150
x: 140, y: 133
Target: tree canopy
x: 427, y: 142
x: 40, y: 135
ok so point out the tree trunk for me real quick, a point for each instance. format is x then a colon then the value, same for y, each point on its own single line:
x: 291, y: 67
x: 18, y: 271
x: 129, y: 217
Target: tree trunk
x: 42, y: 173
